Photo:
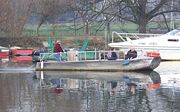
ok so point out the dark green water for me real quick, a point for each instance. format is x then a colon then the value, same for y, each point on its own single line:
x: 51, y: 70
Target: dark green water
x: 23, y: 90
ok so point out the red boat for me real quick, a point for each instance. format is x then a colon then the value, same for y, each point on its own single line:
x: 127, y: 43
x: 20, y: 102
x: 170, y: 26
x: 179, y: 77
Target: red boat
x: 21, y: 58
x: 20, y: 52
x: 4, y: 54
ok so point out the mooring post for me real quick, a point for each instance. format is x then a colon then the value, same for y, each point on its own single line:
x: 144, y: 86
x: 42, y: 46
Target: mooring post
x: 42, y: 65
x: 42, y: 79
x: 42, y: 75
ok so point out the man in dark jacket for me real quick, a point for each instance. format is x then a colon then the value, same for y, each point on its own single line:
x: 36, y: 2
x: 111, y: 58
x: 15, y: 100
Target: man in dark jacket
x: 132, y: 53
x: 112, y: 54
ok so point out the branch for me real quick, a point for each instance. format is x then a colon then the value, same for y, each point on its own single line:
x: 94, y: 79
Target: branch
x: 161, y: 3
x: 162, y: 12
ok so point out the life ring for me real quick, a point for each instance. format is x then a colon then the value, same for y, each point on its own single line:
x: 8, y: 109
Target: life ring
x: 153, y: 54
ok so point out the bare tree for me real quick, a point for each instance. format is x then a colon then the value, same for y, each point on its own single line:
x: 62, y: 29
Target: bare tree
x: 50, y: 9
x: 13, y: 16
x: 140, y: 12
x: 5, y: 15
x: 85, y: 11
x: 21, y: 11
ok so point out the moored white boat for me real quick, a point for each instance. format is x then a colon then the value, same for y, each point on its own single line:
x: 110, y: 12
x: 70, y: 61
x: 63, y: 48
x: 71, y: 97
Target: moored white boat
x: 168, y: 45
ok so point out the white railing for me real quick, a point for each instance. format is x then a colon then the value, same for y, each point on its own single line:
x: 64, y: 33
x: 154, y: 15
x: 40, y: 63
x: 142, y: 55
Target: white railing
x: 79, y: 55
x: 132, y: 36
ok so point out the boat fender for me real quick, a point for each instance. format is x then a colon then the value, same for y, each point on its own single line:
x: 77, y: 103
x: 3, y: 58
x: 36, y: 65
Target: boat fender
x: 153, y: 54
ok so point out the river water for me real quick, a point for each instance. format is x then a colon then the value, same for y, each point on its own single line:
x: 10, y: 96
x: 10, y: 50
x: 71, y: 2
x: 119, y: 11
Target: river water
x: 24, y: 90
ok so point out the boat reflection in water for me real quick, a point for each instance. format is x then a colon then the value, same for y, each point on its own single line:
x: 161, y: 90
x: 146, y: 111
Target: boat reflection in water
x: 111, y: 91
x: 89, y: 91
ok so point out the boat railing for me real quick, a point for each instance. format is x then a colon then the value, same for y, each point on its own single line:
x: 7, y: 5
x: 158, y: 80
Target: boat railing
x: 79, y: 55
x: 121, y: 37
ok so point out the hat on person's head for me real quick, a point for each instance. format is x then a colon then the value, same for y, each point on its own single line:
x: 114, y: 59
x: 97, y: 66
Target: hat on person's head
x: 57, y: 41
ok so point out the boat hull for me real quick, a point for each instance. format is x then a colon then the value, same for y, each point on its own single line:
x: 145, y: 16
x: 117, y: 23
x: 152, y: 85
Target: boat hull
x: 20, y: 52
x: 21, y: 58
x: 3, y: 55
x: 148, y: 63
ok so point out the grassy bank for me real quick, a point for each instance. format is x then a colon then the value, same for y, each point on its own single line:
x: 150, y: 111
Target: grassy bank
x: 94, y: 29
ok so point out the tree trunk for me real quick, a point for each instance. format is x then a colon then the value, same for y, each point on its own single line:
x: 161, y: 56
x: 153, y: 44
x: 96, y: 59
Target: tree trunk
x: 142, y: 27
x: 42, y: 19
x: 87, y: 28
x: 142, y: 21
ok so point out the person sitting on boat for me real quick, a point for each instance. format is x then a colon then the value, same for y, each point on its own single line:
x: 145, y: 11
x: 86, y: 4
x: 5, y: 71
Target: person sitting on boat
x: 132, y: 53
x: 57, y: 49
x: 112, y: 54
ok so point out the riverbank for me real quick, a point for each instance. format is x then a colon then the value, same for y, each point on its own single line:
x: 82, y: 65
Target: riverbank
x: 70, y: 42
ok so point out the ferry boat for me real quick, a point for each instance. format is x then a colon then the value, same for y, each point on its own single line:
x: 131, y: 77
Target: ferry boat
x: 168, y: 45
x: 149, y: 62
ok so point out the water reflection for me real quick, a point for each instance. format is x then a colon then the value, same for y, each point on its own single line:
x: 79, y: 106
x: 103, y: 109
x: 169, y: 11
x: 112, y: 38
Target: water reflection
x: 31, y: 91
x: 85, y: 92
x: 111, y: 91
x: 16, y: 67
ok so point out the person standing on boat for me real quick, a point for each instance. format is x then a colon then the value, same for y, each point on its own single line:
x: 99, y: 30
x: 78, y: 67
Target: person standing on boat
x: 112, y: 54
x: 57, y: 49
x: 132, y: 53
